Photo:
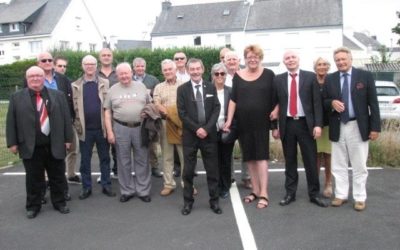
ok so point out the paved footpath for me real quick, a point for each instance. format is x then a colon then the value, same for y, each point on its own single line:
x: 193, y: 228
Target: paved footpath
x: 104, y: 223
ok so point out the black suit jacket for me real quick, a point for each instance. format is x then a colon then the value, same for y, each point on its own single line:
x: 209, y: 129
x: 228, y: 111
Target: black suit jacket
x: 365, y: 103
x: 310, y: 98
x: 187, y: 111
x: 20, y: 124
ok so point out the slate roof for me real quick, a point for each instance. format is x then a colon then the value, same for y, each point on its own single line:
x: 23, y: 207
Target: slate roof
x: 201, y: 18
x: 263, y: 15
x: 289, y: 14
x: 48, y: 14
x: 350, y: 44
x: 132, y: 44
x: 367, y: 40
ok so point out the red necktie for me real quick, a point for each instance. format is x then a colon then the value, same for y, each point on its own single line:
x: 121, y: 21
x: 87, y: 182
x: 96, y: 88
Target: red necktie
x: 43, y: 116
x: 293, y: 96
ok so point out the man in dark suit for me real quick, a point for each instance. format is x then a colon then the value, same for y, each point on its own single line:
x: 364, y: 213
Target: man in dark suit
x: 300, y: 122
x: 39, y: 129
x: 198, y: 108
x: 350, y: 98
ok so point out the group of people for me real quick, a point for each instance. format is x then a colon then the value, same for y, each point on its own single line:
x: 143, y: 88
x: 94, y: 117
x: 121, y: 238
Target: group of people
x: 129, y: 110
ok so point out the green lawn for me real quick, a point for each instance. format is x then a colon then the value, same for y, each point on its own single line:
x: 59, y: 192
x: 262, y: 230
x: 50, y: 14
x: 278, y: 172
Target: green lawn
x: 6, y: 158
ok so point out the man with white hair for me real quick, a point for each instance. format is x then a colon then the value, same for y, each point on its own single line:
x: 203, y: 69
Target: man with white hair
x: 88, y: 98
x: 123, y: 119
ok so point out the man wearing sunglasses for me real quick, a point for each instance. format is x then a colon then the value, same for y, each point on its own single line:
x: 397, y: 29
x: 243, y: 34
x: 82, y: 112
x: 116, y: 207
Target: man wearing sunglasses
x: 60, y: 65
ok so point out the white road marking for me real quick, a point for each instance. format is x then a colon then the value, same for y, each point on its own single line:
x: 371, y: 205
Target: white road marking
x: 246, y: 234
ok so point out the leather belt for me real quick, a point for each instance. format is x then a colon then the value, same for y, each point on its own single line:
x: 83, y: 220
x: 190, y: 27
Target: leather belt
x: 128, y: 124
x: 295, y: 117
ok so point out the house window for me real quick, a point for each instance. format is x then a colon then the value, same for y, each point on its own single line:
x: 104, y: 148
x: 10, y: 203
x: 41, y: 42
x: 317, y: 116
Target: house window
x: 17, y: 58
x: 36, y: 46
x: 14, y: 27
x: 1, y: 29
x: 78, y: 46
x: 1, y: 52
x: 197, y: 41
x: 15, y: 44
x: 64, y: 45
x: 92, y: 47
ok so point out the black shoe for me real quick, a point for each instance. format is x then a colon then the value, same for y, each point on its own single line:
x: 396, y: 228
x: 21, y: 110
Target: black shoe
x: 74, y: 180
x: 43, y: 200
x: 156, y: 172
x: 30, y: 214
x: 85, y: 193
x: 108, y: 192
x: 319, y: 201
x: 125, y: 197
x: 67, y: 196
x: 287, y: 200
x: 216, y: 209
x: 63, y: 209
x: 186, y: 209
x: 145, y: 198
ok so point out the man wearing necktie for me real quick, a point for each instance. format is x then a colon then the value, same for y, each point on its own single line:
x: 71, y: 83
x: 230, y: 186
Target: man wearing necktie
x: 300, y: 123
x: 350, y: 98
x: 198, y: 108
x: 39, y: 128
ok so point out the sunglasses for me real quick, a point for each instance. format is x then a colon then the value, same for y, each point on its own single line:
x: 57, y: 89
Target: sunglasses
x: 61, y: 66
x: 179, y: 58
x: 219, y: 74
x: 46, y: 60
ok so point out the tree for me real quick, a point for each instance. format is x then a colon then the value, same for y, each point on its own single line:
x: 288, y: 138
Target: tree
x: 384, y: 55
x: 396, y: 29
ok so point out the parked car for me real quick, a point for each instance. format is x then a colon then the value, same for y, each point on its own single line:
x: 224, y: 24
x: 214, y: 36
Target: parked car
x: 389, y: 99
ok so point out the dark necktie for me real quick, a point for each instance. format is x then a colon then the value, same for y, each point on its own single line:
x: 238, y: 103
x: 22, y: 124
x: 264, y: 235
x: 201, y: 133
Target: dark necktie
x: 345, y: 99
x: 200, y: 108
x: 293, y: 96
x: 43, y: 116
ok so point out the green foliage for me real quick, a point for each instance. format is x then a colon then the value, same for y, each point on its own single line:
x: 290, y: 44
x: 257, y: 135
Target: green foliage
x: 396, y: 29
x: 384, y: 55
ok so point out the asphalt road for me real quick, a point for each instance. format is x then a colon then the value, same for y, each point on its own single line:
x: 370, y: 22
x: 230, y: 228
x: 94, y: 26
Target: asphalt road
x: 100, y: 222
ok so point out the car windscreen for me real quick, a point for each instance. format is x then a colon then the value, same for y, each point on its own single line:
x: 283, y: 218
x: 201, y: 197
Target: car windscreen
x: 387, y: 91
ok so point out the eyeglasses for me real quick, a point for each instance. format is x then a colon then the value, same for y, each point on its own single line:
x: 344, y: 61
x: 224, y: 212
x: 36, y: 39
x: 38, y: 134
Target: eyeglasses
x: 46, y: 60
x: 219, y: 74
x: 179, y: 58
x: 61, y: 66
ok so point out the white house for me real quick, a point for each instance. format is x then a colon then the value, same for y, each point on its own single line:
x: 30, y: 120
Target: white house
x: 28, y: 27
x: 311, y: 27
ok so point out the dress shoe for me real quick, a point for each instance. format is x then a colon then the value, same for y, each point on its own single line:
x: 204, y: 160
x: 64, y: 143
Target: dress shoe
x: 85, y: 193
x: 359, y: 206
x: 156, y: 172
x: 30, y: 214
x: 67, y: 196
x: 319, y: 201
x: 145, y: 198
x: 287, y: 200
x: 166, y: 191
x: 186, y: 209
x: 108, y: 192
x: 125, y: 197
x: 63, y: 209
x: 338, y: 202
x: 216, y: 209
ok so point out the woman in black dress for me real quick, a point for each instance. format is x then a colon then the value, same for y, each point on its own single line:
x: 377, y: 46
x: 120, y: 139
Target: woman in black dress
x: 251, y: 104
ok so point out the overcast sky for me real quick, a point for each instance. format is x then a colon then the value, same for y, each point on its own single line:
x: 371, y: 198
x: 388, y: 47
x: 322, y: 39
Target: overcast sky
x: 134, y: 19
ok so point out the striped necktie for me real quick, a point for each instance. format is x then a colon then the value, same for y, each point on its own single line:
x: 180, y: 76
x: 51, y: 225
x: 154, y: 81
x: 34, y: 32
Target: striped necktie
x: 43, y: 116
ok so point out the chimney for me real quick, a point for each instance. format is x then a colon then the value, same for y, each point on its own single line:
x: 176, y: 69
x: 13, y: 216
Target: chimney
x: 373, y: 37
x: 166, y: 5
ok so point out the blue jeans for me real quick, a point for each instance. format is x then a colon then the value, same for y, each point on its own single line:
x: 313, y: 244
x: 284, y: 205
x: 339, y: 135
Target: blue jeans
x: 86, y: 148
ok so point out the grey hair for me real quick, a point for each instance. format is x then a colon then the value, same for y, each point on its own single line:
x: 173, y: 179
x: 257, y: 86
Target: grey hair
x: 168, y: 61
x: 121, y: 65
x: 85, y: 58
x: 321, y: 59
x: 194, y: 60
x: 218, y: 66
x: 137, y: 60
x: 342, y: 49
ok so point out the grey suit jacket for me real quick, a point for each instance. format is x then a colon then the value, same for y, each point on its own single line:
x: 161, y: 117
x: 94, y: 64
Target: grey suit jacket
x: 365, y: 103
x: 20, y: 124
x: 310, y: 98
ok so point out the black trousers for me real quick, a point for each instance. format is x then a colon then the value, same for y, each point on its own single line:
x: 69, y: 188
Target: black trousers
x: 297, y: 133
x: 209, y: 156
x: 225, y: 165
x: 35, y: 167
